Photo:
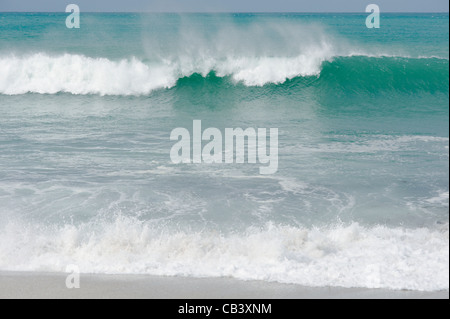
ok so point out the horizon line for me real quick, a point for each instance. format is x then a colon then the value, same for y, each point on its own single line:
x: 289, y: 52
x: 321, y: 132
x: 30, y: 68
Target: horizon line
x: 233, y: 12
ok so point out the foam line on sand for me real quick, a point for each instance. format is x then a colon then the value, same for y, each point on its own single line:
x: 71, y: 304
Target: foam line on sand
x: 50, y: 285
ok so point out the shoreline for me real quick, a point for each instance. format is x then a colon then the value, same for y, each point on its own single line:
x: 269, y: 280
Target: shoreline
x: 35, y: 285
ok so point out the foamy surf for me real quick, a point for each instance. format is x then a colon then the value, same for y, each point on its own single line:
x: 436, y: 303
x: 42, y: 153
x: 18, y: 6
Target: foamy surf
x: 77, y: 74
x: 338, y: 256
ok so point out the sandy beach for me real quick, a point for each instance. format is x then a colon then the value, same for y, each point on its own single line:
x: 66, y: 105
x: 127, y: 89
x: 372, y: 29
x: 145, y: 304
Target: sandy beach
x: 15, y: 285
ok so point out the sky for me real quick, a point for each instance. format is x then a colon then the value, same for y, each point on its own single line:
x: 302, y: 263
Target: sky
x: 225, y: 5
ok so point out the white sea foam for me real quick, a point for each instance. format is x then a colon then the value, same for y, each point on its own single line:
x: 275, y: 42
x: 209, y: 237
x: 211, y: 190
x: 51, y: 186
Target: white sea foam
x: 345, y: 256
x: 441, y: 199
x: 77, y: 74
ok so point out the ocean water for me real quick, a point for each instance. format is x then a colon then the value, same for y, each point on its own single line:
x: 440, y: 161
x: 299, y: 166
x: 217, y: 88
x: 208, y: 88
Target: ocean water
x: 361, y: 196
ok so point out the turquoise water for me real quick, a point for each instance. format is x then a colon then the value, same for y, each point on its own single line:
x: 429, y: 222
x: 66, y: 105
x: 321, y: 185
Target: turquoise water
x: 360, y: 198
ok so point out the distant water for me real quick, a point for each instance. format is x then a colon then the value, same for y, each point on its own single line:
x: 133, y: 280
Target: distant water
x: 361, y: 198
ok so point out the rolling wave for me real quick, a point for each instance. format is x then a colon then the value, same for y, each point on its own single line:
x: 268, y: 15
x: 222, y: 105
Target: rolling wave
x: 78, y: 74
